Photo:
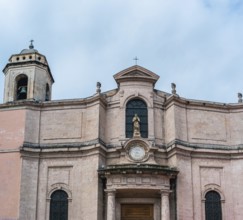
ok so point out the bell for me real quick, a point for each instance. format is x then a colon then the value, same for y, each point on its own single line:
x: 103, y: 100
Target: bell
x: 22, y: 93
x: 22, y: 90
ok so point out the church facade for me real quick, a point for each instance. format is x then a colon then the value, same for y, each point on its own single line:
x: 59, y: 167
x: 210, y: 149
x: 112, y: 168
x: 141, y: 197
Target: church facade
x: 132, y: 153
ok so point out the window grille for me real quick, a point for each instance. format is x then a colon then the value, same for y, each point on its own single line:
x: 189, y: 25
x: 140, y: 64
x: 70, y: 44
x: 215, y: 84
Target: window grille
x: 139, y: 107
x: 59, y: 205
x: 213, y: 206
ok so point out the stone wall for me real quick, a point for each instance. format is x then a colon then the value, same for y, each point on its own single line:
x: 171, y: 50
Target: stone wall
x: 77, y: 175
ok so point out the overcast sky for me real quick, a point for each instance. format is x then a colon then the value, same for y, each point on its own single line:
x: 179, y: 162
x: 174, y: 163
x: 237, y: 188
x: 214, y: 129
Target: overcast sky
x: 197, y: 44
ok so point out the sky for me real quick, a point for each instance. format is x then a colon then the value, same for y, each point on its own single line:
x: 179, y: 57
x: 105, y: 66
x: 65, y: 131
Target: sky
x: 196, y: 44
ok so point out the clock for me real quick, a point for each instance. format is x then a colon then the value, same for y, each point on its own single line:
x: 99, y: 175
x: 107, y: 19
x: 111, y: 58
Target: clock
x: 137, y: 152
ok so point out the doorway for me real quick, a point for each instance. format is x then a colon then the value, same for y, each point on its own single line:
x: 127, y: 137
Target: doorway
x: 137, y: 212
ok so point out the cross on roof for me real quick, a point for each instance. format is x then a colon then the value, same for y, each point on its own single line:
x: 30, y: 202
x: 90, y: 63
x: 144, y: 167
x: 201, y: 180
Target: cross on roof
x: 136, y: 60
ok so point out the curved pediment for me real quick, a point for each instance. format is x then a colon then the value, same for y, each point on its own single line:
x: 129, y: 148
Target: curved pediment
x: 136, y: 73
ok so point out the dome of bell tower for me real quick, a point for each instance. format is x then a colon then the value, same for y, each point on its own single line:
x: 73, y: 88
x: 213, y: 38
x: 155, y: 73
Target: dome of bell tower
x: 30, y: 49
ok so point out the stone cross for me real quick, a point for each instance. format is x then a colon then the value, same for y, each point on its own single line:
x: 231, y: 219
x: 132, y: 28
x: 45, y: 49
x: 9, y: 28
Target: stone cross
x: 136, y: 60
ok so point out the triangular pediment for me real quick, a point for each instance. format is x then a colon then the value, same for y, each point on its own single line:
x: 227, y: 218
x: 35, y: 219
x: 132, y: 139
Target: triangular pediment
x: 136, y: 73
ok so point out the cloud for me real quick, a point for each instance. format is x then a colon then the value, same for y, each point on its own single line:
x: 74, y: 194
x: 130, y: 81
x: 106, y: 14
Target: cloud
x: 195, y: 43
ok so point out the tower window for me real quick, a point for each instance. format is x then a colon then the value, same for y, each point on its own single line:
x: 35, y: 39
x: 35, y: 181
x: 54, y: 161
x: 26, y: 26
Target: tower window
x: 213, y: 206
x: 22, y: 87
x: 59, y: 205
x: 47, y: 97
x: 139, y: 107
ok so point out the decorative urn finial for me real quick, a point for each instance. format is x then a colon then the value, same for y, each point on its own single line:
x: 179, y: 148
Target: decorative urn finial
x: 98, y: 86
x: 173, y: 88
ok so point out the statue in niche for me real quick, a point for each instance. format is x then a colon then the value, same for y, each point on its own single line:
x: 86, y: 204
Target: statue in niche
x: 136, y: 126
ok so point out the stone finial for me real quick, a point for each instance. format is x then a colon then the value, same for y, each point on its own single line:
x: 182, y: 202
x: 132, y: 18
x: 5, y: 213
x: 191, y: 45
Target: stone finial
x: 173, y: 88
x: 98, y: 86
x: 239, y: 97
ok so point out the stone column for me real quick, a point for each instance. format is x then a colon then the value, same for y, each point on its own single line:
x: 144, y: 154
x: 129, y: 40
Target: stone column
x: 165, y: 205
x: 111, y: 204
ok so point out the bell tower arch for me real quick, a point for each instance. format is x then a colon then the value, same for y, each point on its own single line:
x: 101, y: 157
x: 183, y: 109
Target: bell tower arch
x: 27, y: 77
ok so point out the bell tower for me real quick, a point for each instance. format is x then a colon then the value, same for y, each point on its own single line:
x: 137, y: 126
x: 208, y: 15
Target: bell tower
x: 27, y: 77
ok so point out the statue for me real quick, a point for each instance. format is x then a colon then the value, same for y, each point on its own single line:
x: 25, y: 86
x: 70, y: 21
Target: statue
x: 136, y: 126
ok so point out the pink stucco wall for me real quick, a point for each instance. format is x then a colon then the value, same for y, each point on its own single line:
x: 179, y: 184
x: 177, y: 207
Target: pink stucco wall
x: 12, y: 125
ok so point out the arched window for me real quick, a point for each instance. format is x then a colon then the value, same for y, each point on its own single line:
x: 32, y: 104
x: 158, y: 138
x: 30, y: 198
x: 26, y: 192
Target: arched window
x: 21, y: 87
x: 59, y: 205
x: 47, y: 98
x: 139, y: 107
x: 213, y: 209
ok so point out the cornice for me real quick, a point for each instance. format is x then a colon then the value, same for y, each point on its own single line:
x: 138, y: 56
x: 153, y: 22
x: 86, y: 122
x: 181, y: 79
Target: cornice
x: 138, y: 168
x: 22, y: 104
x: 204, y: 151
x: 28, y: 145
x: 204, y: 145
x: 199, y: 104
x: 27, y: 63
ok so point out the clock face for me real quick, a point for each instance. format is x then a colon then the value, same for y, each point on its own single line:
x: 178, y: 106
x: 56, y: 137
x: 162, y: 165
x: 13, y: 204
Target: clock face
x: 137, y: 152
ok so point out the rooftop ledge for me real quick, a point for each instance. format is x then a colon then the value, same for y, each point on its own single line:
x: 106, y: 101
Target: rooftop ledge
x: 138, y: 168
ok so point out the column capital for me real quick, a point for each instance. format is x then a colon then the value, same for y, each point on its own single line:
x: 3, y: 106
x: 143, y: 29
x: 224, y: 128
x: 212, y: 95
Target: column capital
x: 165, y: 192
x: 110, y: 191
